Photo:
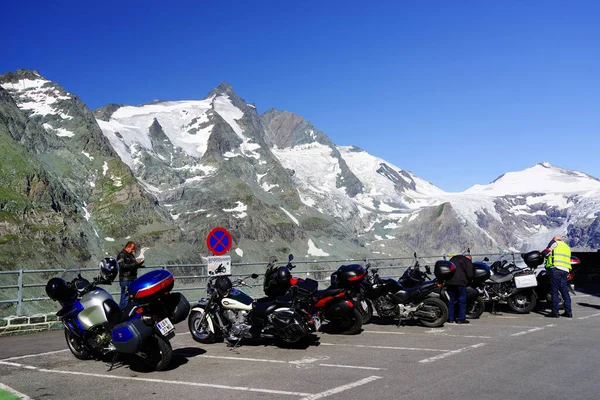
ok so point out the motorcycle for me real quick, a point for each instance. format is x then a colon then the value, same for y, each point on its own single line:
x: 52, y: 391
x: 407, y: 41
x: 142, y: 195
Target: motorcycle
x: 534, y: 261
x: 94, y: 325
x: 408, y: 298
x: 231, y: 314
x: 508, y: 283
x: 337, y: 304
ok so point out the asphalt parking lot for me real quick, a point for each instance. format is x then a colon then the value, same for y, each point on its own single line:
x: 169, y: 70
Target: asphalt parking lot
x: 497, y: 356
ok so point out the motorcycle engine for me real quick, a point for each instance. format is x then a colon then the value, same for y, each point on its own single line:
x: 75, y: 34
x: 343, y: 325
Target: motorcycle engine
x: 384, y: 306
x: 239, y: 328
x: 103, y: 338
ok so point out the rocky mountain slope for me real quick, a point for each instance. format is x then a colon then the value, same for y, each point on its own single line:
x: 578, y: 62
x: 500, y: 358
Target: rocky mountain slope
x: 165, y: 173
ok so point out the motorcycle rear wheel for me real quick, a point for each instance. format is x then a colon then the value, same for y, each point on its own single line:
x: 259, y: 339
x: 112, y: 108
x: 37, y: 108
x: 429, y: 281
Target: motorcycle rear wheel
x: 475, y: 308
x: 76, y: 346
x: 200, y: 327
x: 522, y: 302
x: 350, y: 325
x: 159, y: 353
x: 441, y: 310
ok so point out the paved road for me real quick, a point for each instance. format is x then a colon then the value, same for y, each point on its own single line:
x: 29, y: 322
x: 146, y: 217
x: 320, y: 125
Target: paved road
x: 504, y: 356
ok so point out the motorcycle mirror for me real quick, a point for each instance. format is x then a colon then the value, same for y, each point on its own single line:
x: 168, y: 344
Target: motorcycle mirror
x: 415, y: 254
x: 272, y: 259
x: 486, y: 259
x: 254, y: 276
x: 290, y: 257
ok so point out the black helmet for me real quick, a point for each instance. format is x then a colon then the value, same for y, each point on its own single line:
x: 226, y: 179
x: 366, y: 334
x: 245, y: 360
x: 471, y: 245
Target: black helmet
x: 58, y: 290
x: 283, y: 275
x: 223, y: 285
x: 109, y: 269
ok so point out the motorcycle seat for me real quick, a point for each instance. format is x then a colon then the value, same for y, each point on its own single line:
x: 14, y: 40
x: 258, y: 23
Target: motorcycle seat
x: 263, y: 309
x: 328, y: 292
x: 498, y: 278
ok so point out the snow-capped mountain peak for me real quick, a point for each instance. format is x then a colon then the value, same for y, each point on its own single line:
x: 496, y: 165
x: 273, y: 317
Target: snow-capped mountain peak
x: 540, y: 178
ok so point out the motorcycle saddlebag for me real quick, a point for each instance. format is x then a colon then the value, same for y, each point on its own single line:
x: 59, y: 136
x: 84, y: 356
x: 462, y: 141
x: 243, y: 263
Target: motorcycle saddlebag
x: 443, y: 270
x: 289, y: 324
x: 129, y: 336
x: 348, y: 276
x: 533, y: 258
x: 177, y: 307
x: 481, y: 272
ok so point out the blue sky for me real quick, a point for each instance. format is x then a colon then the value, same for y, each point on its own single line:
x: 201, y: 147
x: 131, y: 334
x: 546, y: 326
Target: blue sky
x: 456, y: 92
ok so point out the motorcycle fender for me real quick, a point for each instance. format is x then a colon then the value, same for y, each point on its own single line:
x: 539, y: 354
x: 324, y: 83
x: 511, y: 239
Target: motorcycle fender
x: 339, y: 307
x: 200, y: 308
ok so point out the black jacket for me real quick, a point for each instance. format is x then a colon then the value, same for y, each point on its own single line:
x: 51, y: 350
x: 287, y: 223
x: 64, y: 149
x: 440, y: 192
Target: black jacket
x: 128, y: 266
x: 463, y: 273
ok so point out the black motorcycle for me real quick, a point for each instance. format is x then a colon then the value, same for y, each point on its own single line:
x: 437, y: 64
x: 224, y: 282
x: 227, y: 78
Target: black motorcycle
x: 407, y: 298
x: 338, y: 304
x: 509, y: 284
x: 231, y: 314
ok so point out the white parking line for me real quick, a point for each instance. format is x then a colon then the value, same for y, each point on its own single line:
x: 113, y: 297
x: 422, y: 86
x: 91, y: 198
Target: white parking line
x: 300, y: 363
x: 381, y: 347
x: 14, y: 392
x: 444, y: 355
x: 589, y: 316
x: 242, y: 359
x: 341, y: 388
x: 429, y: 333
x: 151, y: 380
x: 352, y: 366
x: 34, y: 355
x: 532, y: 330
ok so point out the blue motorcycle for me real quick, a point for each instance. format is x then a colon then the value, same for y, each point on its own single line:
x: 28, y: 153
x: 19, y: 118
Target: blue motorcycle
x: 96, y: 326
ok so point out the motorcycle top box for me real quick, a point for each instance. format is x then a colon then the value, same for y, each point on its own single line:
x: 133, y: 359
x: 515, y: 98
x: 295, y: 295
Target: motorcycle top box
x: 444, y: 270
x: 153, y: 283
x: 481, y: 272
x: 348, y: 276
x: 533, y: 258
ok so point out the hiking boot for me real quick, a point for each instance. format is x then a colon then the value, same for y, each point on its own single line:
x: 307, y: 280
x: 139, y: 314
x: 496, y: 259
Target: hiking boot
x: 566, y: 315
x: 465, y: 321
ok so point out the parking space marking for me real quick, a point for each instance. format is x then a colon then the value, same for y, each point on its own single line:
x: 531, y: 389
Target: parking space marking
x: 352, y: 367
x: 452, y: 352
x: 243, y: 359
x: 429, y: 333
x: 539, y: 328
x: 14, y: 392
x: 342, y: 388
x: 152, y: 380
x: 589, y: 316
x: 381, y: 347
x: 34, y: 355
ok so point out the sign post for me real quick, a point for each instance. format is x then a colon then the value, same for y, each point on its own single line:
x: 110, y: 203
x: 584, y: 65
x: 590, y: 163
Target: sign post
x: 218, y: 242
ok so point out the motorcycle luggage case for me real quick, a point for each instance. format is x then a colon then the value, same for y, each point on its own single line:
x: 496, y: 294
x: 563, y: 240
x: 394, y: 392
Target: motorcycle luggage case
x: 153, y: 283
x: 129, y: 336
x: 443, y: 270
x: 348, y: 276
x: 481, y: 272
x: 533, y: 258
x: 177, y: 307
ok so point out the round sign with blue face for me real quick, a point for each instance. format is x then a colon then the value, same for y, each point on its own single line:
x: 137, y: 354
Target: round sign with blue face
x: 218, y: 241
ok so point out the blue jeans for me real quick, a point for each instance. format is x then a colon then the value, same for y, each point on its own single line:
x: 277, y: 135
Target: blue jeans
x: 457, y: 294
x: 559, y: 283
x: 124, y: 289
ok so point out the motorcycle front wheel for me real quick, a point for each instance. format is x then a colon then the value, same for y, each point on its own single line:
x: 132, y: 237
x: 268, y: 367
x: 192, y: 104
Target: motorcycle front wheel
x: 438, y: 307
x: 475, y: 308
x: 368, y: 313
x: 76, y: 346
x: 522, y: 302
x: 201, y: 327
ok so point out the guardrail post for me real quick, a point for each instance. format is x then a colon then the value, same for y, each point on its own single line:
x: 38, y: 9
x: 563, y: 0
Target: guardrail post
x: 20, y: 292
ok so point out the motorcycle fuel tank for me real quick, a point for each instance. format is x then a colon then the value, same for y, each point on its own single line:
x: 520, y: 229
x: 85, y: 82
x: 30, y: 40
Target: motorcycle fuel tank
x: 93, y: 312
x: 237, y: 300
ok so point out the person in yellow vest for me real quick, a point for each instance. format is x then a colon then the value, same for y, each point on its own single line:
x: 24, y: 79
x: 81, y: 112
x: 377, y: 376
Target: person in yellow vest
x: 558, y: 264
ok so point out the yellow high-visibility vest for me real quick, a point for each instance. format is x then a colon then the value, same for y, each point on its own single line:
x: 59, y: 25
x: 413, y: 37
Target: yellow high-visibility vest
x: 560, y: 256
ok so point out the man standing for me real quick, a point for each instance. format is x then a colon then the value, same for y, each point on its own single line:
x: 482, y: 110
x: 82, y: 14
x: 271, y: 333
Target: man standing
x: 128, y: 266
x: 457, y: 288
x: 558, y: 264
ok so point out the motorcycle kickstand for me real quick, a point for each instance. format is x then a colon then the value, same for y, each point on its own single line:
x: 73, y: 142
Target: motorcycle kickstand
x: 235, y: 345
x: 114, y: 360
x: 494, y: 312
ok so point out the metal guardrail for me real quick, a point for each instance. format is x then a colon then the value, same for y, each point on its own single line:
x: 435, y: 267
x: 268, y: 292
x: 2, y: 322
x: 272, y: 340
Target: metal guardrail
x: 323, y: 274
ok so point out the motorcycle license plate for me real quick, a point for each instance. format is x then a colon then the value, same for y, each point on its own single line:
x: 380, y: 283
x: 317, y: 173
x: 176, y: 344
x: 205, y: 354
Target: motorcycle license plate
x: 525, y: 281
x: 165, y: 326
x: 316, y: 322
x: 363, y: 303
